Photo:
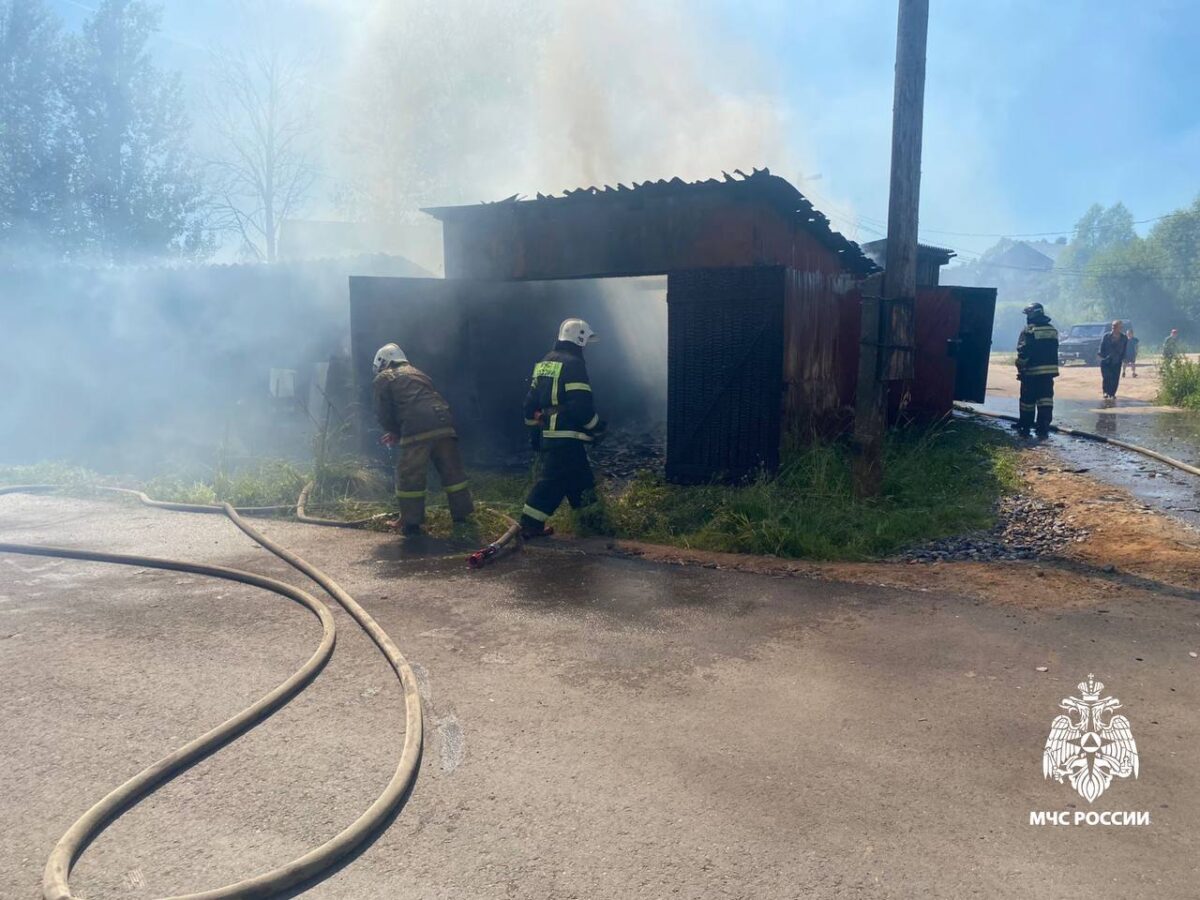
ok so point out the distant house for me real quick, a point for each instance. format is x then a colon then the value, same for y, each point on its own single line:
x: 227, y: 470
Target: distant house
x: 1033, y: 256
x: 1021, y: 270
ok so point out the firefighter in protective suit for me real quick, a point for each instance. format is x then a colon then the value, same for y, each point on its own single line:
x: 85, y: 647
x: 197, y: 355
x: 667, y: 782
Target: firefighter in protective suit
x: 1037, y: 367
x: 416, y: 418
x: 562, y: 419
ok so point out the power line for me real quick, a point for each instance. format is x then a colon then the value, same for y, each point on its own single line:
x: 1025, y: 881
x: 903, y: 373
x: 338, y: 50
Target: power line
x: 1160, y: 272
x: 1170, y: 215
x: 879, y: 226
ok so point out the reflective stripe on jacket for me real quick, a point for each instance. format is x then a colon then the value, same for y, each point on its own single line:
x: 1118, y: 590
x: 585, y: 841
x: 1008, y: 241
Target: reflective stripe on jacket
x: 409, y: 406
x: 560, y: 391
x: 1037, y: 349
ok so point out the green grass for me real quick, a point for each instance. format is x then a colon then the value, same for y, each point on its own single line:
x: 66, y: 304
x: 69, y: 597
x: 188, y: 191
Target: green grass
x: 936, y: 483
x: 49, y: 473
x: 1180, y: 382
x: 266, y: 483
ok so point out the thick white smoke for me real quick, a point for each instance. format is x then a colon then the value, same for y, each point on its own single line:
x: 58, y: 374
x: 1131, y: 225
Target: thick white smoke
x: 465, y: 100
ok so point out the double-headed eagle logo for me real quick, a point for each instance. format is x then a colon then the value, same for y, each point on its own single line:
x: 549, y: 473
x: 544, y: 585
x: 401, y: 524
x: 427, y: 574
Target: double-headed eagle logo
x: 1089, y: 745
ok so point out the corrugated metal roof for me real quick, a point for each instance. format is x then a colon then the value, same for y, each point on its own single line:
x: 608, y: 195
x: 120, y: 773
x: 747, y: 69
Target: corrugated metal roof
x: 877, y: 250
x: 759, y: 184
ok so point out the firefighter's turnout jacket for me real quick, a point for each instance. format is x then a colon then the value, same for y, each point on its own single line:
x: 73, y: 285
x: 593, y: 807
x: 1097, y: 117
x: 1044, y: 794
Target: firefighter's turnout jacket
x: 560, y: 409
x: 1037, y: 367
x: 410, y: 407
x: 1037, y: 349
x: 561, y: 393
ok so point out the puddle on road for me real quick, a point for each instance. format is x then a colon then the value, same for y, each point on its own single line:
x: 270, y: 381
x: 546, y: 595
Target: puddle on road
x: 1173, y: 432
x: 623, y: 589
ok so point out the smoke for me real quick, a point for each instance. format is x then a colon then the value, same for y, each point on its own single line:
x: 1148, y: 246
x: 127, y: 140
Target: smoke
x: 461, y: 101
x: 420, y: 102
x: 467, y: 100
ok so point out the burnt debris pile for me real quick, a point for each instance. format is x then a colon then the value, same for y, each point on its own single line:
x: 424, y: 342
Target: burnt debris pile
x: 627, y: 451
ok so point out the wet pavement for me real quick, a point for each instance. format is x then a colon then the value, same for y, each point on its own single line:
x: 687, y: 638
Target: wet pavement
x: 597, y: 727
x: 1166, y: 430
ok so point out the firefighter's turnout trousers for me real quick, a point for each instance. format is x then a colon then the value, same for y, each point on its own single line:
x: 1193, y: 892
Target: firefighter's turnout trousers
x: 1037, y: 396
x: 411, y: 469
x: 563, y: 471
x: 408, y: 406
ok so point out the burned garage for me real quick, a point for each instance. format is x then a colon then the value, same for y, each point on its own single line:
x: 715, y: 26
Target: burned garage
x: 730, y: 307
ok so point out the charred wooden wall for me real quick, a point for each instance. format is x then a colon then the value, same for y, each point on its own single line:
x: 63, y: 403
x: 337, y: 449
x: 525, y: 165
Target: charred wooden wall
x: 820, y: 338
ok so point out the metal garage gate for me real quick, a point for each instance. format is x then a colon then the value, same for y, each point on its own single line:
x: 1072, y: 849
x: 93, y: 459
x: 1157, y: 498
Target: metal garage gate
x: 725, y: 372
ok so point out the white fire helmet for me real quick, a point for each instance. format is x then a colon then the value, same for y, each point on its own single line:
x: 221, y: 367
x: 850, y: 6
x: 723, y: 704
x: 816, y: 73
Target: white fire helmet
x: 576, y: 331
x: 386, y: 355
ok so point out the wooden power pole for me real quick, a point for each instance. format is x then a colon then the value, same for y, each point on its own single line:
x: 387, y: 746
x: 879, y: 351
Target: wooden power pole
x: 887, y: 334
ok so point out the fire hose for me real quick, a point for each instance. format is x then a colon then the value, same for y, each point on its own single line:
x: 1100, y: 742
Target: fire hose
x: 477, y: 560
x: 1091, y: 436
x: 55, y: 883
x: 507, y: 541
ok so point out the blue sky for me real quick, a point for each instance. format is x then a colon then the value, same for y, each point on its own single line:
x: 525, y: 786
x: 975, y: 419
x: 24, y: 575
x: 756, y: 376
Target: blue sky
x: 1034, y: 109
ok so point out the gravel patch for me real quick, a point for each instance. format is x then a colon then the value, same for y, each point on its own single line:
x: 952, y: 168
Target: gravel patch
x: 1026, y: 528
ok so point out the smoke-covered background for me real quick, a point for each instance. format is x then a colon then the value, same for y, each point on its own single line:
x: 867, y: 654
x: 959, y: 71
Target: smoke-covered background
x: 145, y: 144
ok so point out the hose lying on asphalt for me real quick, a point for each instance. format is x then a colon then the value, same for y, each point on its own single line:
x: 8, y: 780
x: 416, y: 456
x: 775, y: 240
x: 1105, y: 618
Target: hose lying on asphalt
x: 302, y: 514
x: 508, y: 541
x: 477, y: 560
x: 56, y: 876
x: 1090, y: 436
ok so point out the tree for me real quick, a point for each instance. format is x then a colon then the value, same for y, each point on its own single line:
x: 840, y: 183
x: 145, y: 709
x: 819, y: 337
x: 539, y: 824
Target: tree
x: 1155, y: 280
x: 139, y: 185
x: 34, y: 165
x: 1125, y: 282
x: 1097, y: 230
x: 264, y: 167
x: 1176, y: 240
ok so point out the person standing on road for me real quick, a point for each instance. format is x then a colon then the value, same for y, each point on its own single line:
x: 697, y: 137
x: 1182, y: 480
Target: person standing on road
x: 1037, y: 367
x: 1130, y: 354
x: 416, y: 418
x: 1112, y: 354
x: 1170, y: 347
x: 562, y: 418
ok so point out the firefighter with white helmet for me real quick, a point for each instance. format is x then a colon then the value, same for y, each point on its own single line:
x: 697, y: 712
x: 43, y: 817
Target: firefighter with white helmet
x: 561, y: 414
x: 417, y: 419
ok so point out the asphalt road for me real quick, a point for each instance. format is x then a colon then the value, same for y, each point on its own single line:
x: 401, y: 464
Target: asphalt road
x: 597, y: 727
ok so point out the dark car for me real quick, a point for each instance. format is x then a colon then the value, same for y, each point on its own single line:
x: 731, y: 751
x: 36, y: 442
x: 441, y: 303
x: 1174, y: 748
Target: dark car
x: 1082, y: 342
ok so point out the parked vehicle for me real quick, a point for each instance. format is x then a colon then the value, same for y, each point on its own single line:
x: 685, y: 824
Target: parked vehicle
x: 1082, y: 342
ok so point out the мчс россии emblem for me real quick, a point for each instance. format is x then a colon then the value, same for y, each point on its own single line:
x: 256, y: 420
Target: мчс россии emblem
x: 1089, y: 745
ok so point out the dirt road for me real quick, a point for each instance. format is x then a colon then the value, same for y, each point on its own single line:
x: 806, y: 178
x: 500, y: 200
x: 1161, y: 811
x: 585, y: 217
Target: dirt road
x: 1081, y: 383
x: 599, y: 727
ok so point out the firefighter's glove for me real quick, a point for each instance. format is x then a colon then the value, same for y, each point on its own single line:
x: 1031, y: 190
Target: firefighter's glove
x: 599, y: 431
x: 388, y: 440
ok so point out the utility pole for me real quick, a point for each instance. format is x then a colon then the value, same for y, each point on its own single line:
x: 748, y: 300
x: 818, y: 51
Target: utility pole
x: 887, y: 332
